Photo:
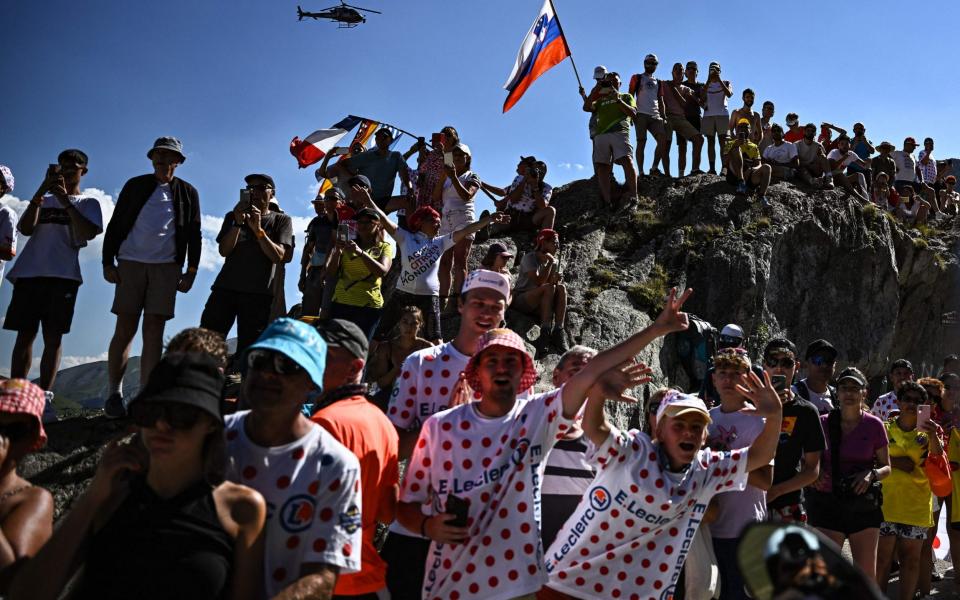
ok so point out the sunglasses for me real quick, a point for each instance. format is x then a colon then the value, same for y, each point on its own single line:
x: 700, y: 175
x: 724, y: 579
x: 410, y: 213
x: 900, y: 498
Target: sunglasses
x: 17, y: 432
x: 268, y: 360
x: 786, y: 363
x: 176, y: 415
x: 260, y: 187
x: 821, y: 361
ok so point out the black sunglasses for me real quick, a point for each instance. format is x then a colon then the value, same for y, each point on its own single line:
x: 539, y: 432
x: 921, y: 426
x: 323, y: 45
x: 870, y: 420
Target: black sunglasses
x: 176, y: 415
x: 786, y: 363
x: 268, y: 360
x: 17, y: 432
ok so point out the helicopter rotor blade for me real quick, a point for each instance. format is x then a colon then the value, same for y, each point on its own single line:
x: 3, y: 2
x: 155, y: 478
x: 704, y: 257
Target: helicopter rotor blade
x: 363, y: 9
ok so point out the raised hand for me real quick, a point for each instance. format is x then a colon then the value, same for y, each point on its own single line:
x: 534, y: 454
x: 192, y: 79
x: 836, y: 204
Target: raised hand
x: 118, y: 461
x: 761, y: 393
x: 671, y: 318
x: 614, y: 383
x: 500, y: 217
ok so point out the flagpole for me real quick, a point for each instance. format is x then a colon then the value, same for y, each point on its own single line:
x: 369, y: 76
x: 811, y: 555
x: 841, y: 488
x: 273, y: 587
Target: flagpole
x: 388, y: 125
x: 564, y: 38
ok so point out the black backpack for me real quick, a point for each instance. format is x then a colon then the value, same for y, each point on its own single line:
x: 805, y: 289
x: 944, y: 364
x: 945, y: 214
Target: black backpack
x: 695, y: 349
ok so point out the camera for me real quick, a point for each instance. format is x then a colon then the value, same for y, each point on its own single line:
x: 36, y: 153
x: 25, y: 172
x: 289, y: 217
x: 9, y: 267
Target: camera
x: 534, y: 173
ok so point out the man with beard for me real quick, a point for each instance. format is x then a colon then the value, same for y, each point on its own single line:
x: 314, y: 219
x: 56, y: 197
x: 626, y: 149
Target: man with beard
x: 813, y: 158
x: 781, y: 156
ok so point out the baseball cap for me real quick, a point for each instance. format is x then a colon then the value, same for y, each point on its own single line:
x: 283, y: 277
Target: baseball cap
x: 599, y: 72
x: 546, y: 234
x: 901, y: 363
x: 508, y: 339
x: 715, y: 66
x: 385, y: 131
x: 359, y: 180
x: 779, y: 345
x: 497, y: 248
x: 254, y: 177
x: 7, y: 175
x: 339, y: 333
x: 675, y: 404
x: 792, y: 122
x: 190, y: 378
x: 462, y: 148
x: 491, y: 280
x: 910, y: 140
x: 418, y: 216
x: 651, y: 58
x: 20, y: 396
x: 950, y: 179
x: 367, y: 212
x: 528, y: 159
x: 692, y: 63
x: 297, y: 341
x: 743, y: 122
x: 820, y: 346
x: 854, y: 374
x: 792, y: 544
x: 167, y: 143
x: 731, y: 336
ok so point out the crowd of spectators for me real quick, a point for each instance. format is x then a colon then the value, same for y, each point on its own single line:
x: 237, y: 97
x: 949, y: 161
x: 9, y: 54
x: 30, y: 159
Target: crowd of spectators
x: 279, y: 487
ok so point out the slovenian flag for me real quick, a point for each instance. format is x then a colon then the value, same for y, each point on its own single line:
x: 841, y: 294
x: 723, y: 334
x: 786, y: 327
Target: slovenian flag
x: 316, y: 145
x: 543, y: 47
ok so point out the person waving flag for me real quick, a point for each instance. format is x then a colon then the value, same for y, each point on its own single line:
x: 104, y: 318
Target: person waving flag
x: 543, y: 47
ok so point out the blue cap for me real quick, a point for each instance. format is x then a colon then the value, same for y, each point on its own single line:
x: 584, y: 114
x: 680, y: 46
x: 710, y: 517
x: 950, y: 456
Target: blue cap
x: 299, y: 342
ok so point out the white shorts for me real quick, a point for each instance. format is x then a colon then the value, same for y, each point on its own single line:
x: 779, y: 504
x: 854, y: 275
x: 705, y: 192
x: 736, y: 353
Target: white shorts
x: 455, y: 219
x: 610, y: 147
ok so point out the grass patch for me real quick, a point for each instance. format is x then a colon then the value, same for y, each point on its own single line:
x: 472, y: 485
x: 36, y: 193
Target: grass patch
x: 650, y: 293
x: 870, y: 212
x: 928, y: 231
x: 920, y: 244
x: 617, y: 241
x: 591, y: 294
x: 758, y: 225
x: 941, y: 261
x: 602, y: 277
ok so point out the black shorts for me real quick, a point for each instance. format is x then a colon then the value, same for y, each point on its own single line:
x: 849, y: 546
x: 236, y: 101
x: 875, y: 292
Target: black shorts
x: 694, y: 120
x: 406, y: 559
x: 42, y: 300
x: 826, y: 511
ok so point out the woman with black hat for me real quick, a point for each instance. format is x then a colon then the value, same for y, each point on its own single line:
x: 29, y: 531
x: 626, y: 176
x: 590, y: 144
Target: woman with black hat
x: 157, y: 520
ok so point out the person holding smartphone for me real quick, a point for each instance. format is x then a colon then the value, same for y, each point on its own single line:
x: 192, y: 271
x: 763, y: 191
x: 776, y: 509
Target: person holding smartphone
x: 744, y: 167
x: 455, y: 192
x: 797, y: 463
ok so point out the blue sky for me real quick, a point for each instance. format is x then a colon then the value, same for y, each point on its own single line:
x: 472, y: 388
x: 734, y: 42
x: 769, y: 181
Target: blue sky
x: 236, y: 81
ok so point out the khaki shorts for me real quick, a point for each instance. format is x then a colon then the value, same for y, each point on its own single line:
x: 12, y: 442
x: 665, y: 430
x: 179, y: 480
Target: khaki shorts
x: 717, y: 125
x: 651, y: 123
x: 145, y: 287
x: 682, y: 126
x: 610, y: 147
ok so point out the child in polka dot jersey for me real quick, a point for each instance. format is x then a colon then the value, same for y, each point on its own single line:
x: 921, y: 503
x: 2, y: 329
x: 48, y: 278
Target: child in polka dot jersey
x: 488, y: 456
x: 631, y: 532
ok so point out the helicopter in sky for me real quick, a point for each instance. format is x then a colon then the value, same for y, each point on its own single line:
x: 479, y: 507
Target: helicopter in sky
x: 346, y: 16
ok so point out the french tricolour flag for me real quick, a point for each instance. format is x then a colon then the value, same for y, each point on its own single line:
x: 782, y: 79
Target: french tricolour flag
x: 316, y: 145
x: 543, y: 47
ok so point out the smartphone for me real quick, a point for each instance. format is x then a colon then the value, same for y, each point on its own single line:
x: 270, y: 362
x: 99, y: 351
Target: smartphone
x: 244, y: 199
x: 437, y: 140
x: 779, y: 382
x: 340, y: 151
x: 53, y: 168
x: 923, y: 414
x: 458, y: 507
x: 448, y: 159
x: 343, y: 232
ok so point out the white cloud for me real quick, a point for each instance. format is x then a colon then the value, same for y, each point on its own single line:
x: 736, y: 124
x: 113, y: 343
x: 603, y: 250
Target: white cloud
x: 570, y: 166
x: 210, y: 258
x: 73, y: 361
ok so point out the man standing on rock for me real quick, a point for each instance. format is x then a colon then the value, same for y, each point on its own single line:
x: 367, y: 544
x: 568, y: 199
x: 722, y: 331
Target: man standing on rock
x: 716, y: 118
x: 154, y: 230
x: 540, y: 290
x: 310, y: 481
x: 431, y: 380
x: 615, y: 113
x: 646, y: 88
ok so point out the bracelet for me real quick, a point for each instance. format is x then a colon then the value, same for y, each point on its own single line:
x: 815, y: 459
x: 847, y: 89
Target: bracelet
x: 423, y: 527
x: 261, y: 234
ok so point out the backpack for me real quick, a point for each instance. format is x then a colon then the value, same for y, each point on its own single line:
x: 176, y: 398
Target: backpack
x: 695, y: 348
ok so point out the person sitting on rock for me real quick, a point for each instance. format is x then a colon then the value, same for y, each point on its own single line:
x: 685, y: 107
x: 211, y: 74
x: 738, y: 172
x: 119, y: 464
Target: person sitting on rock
x: 884, y: 195
x: 842, y: 157
x: 540, y: 289
x: 884, y: 163
x: 527, y: 198
x: 26, y: 511
x: 781, y: 156
x: 949, y: 197
x: 744, y: 169
x: 794, y: 132
x: 912, y: 210
x: 497, y: 259
x: 813, y: 158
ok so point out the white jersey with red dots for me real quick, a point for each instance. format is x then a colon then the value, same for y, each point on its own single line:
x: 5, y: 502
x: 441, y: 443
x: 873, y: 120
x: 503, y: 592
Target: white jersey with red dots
x: 632, y: 531
x: 312, y: 489
x: 885, y: 406
x: 425, y: 385
x: 495, y: 464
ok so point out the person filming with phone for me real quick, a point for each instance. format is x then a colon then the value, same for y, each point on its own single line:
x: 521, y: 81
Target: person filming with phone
x: 540, y: 290
x: 254, y: 241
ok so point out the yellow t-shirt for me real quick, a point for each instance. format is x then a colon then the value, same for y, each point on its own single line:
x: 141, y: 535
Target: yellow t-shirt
x: 356, y: 285
x: 906, y: 496
x: 748, y: 149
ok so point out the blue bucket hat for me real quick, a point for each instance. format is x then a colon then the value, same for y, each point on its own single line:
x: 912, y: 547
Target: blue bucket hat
x: 299, y: 342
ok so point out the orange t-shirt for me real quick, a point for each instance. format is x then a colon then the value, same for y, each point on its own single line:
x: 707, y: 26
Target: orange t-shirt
x: 365, y: 430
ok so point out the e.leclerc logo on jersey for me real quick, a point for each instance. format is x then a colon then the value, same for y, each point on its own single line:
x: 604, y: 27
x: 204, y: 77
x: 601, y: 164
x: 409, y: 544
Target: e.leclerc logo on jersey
x: 600, y: 498
x: 297, y: 513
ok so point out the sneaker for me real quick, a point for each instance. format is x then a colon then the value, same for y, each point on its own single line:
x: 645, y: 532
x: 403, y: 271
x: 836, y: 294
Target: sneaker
x: 764, y: 203
x: 712, y: 172
x: 655, y: 173
x: 696, y: 172
x: 828, y: 182
x: 113, y: 408
x: 742, y: 187
x: 559, y: 339
x: 49, y: 412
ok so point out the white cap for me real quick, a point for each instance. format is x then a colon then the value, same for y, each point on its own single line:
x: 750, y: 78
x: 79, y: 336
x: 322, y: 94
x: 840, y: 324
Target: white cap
x: 600, y: 72
x: 463, y: 148
x: 491, y: 280
x: 732, y: 330
x: 652, y: 57
x: 675, y: 404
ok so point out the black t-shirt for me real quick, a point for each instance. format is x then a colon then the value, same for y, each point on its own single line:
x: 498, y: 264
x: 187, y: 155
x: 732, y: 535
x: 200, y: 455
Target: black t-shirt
x: 247, y: 269
x: 321, y: 231
x: 800, y: 432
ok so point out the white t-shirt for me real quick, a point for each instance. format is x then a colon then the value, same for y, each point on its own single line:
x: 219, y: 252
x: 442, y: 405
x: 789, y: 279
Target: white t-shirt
x: 906, y: 165
x: 312, y: 489
x: 452, y: 200
x: 647, y: 94
x: 716, y: 101
x: 420, y: 262
x: 52, y: 250
x: 732, y: 431
x: 527, y: 203
x: 886, y: 406
x: 845, y: 160
x: 784, y: 153
x: 822, y: 401
x: 495, y: 464
x: 632, y: 531
x: 152, y: 239
x: 8, y: 233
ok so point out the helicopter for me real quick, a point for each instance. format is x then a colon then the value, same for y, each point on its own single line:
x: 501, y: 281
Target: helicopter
x: 346, y: 16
